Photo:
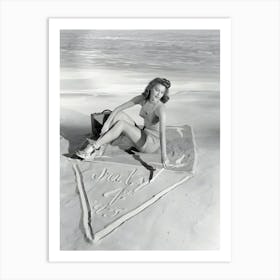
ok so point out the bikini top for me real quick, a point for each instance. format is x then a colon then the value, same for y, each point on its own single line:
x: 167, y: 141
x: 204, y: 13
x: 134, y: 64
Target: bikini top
x: 147, y: 112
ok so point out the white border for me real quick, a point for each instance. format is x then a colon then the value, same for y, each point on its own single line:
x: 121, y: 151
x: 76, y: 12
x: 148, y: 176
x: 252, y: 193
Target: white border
x: 222, y: 255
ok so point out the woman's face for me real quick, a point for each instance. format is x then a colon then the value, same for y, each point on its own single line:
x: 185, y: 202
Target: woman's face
x: 157, y: 92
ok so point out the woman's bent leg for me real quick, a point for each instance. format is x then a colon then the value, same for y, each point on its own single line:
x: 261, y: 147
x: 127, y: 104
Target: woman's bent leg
x: 134, y: 134
x: 122, y: 116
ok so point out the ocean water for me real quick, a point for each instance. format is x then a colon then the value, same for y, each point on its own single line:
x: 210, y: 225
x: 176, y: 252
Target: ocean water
x: 110, y: 62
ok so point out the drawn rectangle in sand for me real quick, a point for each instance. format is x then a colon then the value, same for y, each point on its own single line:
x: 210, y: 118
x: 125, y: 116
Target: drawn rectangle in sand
x: 111, y: 193
x: 117, y: 186
x: 180, y: 151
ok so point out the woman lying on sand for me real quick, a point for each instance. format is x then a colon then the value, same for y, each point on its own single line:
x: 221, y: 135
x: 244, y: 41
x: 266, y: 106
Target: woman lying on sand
x: 151, y: 136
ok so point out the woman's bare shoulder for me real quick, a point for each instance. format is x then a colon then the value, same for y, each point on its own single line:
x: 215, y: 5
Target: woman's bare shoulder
x: 139, y: 99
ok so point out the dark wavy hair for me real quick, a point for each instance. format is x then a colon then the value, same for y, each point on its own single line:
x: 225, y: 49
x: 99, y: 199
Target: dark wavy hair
x: 152, y: 83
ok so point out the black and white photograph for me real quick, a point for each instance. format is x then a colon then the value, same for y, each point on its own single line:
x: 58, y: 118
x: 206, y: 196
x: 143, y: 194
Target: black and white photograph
x: 139, y: 139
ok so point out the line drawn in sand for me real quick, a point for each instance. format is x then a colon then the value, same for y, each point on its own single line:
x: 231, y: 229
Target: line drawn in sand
x: 118, y: 194
x: 180, y: 131
x: 86, y: 208
x: 120, y: 191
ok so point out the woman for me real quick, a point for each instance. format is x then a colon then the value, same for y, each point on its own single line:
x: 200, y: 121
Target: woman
x: 153, y: 111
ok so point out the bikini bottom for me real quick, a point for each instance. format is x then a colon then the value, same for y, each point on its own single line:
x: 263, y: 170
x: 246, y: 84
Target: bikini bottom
x: 152, y: 142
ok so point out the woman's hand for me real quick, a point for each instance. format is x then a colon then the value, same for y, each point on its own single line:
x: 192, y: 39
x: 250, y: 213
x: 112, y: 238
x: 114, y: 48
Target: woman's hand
x: 165, y: 163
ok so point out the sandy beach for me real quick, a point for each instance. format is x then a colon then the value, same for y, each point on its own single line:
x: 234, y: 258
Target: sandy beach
x: 125, y: 201
x: 194, y: 203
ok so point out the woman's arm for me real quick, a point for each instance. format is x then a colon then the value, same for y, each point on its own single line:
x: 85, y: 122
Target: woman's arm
x: 132, y: 102
x: 162, y: 124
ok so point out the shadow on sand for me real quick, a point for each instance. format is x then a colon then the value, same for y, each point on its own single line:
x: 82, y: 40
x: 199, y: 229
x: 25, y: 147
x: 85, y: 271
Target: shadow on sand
x: 75, y: 129
x: 135, y: 154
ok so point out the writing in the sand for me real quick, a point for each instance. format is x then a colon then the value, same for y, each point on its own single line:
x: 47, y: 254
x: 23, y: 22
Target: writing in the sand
x: 121, y: 187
